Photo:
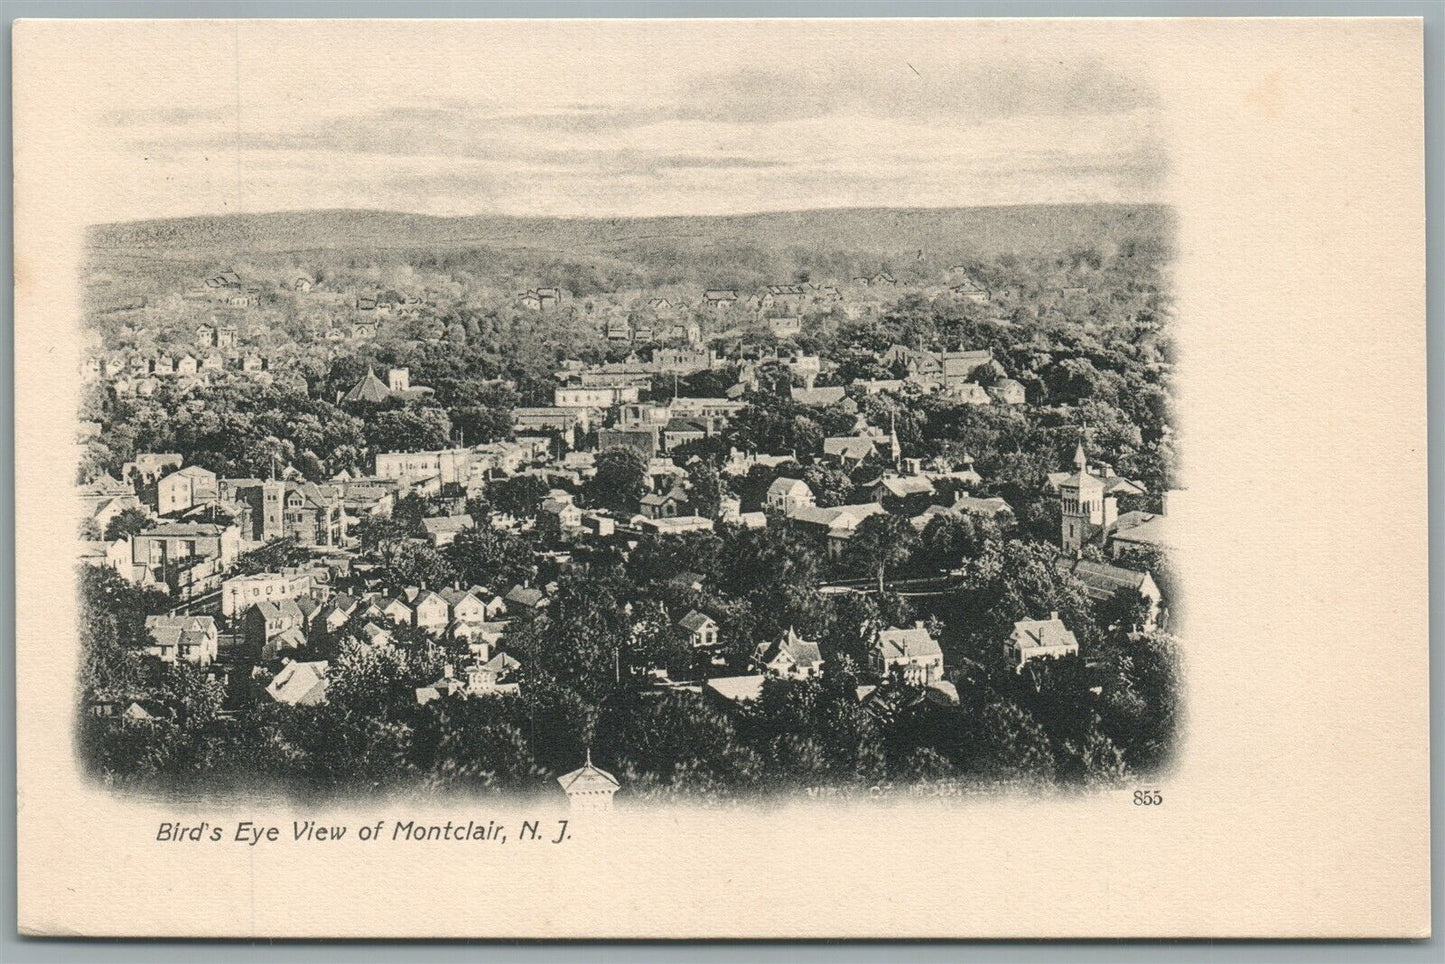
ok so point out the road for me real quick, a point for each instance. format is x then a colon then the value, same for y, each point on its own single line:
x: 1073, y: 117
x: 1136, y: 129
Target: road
x: 917, y: 586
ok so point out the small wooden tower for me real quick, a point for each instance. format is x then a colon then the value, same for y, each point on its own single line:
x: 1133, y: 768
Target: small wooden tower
x: 589, y: 788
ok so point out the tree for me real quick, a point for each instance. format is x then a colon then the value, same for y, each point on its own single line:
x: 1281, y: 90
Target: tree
x: 558, y: 722
x: 657, y: 642
x: 127, y: 523
x: 408, y: 512
x: 753, y: 488
x: 678, y: 743
x: 1158, y: 564
x: 880, y: 543
x: 1144, y: 710
x: 196, y: 697
x: 1014, y: 580
x: 830, y: 484
x: 658, y: 558
x: 584, y: 635
x: 112, y: 630
x: 520, y: 495
x: 274, y: 555
x: 472, y: 743
x: 855, y: 624
x: 1126, y: 611
x: 372, y: 532
x: 985, y: 375
x: 480, y: 423
x: 1012, y: 746
x: 1093, y: 761
x: 415, y: 563
x: 706, y: 489
x: 948, y: 539
x: 483, y: 556
x: 825, y: 733
x: 409, y: 430
x: 620, y: 482
x: 754, y: 561
x: 925, y: 764
x: 480, y: 510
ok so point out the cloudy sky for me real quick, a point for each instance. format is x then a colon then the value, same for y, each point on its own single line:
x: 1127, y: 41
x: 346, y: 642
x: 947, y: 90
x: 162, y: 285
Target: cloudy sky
x: 610, y: 118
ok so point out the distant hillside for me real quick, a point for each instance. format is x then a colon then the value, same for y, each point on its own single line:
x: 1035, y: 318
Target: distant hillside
x: 983, y: 232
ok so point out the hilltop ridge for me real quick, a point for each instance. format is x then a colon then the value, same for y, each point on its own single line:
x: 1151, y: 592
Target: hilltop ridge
x: 983, y: 231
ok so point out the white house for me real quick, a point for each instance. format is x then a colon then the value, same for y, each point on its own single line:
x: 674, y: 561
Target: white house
x: 912, y: 653
x: 300, y: 684
x: 787, y: 495
x: 791, y: 657
x: 700, y: 628
x: 1040, y: 639
x: 187, y: 639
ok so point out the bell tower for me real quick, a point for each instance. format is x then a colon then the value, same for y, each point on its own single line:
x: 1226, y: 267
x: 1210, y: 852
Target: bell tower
x: 1084, y: 512
x: 273, y: 508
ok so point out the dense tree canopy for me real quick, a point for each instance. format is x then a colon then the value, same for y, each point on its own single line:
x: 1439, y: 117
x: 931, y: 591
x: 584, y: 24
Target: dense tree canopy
x: 1094, y: 367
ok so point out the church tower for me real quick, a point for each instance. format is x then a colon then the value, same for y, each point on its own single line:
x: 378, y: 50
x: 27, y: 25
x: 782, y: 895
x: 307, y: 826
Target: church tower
x: 1086, y: 514
x: 273, y: 508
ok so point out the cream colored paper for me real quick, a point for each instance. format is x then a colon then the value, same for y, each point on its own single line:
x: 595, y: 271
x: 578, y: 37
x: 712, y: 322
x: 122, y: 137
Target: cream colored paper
x: 1299, y: 805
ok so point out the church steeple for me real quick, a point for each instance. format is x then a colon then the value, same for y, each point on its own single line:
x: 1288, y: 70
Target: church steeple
x: 1086, y: 512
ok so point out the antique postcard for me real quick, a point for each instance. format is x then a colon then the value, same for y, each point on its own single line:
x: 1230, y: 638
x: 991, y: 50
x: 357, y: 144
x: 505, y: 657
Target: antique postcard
x: 721, y: 478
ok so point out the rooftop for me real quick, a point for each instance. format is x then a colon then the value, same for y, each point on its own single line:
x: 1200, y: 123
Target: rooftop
x: 1048, y: 633
x: 587, y: 779
x: 908, y: 643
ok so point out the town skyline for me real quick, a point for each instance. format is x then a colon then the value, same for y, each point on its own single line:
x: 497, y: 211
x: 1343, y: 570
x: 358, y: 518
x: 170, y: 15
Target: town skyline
x: 700, y: 511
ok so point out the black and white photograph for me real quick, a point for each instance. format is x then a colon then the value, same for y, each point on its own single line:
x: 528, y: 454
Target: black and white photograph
x: 734, y: 430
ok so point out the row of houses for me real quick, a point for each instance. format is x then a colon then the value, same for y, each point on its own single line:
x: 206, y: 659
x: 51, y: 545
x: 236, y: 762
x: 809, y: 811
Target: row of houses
x: 910, y: 655
x: 120, y: 367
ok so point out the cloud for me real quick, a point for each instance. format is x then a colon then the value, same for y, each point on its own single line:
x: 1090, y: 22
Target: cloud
x: 585, y: 119
x: 914, y: 133
x: 719, y: 162
x: 165, y: 116
x: 962, y: 92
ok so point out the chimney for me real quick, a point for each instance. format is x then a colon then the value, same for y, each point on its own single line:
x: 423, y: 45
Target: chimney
x: 447, y: 671
x: 1054, y: 614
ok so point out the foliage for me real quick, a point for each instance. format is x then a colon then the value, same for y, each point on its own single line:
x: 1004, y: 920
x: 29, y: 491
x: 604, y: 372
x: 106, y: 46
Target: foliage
x: 127, y: 523
x: 620, y: 482
x: 517, y: 496
x: 705, y: 489
x: 880, y: 543
x: 486, y: 557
